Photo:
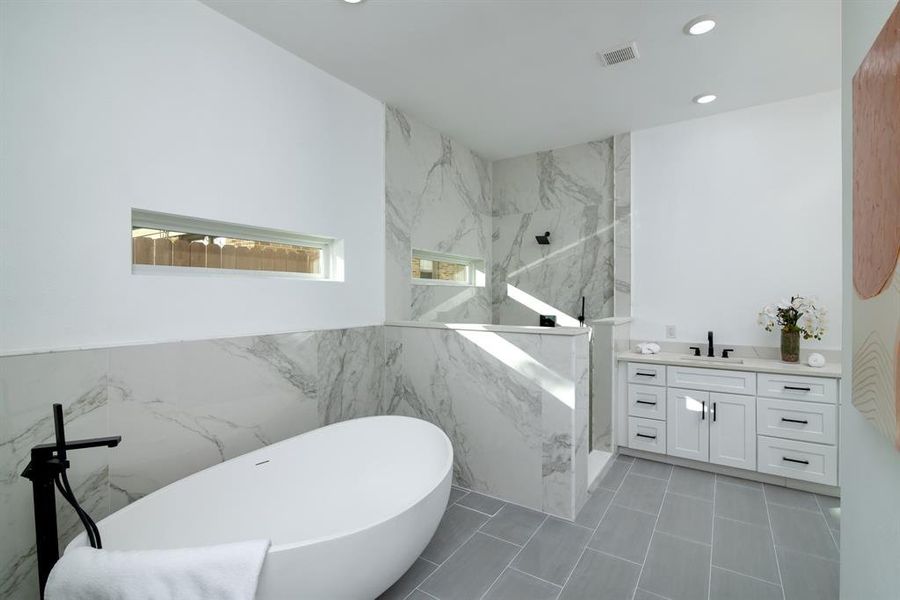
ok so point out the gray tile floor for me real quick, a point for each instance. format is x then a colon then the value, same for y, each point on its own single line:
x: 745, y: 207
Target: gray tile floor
x: 648, y: 532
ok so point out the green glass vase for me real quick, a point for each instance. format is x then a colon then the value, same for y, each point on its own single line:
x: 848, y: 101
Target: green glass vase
x: 790, y: 346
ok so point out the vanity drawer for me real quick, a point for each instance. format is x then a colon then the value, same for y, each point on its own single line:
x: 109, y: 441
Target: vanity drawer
x: 798, y: 460
x: 646, y: 374
x: 647, y: 434
x: 712, y: 380
x: 798, y: 387
x: 647, y: 401
x: 803, y: 421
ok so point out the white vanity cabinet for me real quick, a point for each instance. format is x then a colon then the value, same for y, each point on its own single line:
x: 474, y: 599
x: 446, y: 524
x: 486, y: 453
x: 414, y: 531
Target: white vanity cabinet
x: 777, y: 423
x: 732, y: 431
x: 687, y: 428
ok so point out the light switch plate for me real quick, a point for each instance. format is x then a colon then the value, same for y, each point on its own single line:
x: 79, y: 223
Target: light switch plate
x: 670, y: 332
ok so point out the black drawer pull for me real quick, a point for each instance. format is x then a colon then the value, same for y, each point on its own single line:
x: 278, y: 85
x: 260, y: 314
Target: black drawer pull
x: 645, y: 402
x: 644, y: 435
x: 802, y: 421
x: 795, y: 460
x: 714, y: 412
x: 645, y: 374
x: 703, y: 412
x: 796, y: 388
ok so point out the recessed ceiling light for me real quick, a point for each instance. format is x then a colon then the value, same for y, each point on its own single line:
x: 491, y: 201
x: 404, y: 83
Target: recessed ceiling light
x: 353, y: 1
x: 699, y: 26
x: 704, y: 98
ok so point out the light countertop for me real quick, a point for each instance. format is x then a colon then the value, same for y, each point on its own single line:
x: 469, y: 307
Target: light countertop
x: 759, y: 365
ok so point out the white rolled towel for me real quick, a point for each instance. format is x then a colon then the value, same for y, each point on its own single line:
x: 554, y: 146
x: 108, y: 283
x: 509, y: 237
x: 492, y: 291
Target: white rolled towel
x: 648, y: 348
x: 222, y: 572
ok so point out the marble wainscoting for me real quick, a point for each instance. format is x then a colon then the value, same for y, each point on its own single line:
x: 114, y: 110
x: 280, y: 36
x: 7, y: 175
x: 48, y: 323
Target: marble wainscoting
x: 622, y: 215
x: 513, y: 404
x: 29, y: 385
x: 438, y: 199
x: 570, y: 193
x: 179, y: 407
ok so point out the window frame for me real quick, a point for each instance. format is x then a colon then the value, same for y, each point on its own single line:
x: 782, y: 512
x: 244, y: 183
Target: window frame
x: 473, y: 265
x: 331, y: 258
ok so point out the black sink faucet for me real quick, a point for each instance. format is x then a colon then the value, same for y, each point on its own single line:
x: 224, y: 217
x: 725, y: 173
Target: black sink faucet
x: 709, y: 336
x: 48, y: 467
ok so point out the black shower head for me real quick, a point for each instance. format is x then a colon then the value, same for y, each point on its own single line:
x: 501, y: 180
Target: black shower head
x: 543, y: 239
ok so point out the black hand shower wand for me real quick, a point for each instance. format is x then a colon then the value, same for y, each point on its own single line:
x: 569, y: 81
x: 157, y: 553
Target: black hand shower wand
x: 581, y: 316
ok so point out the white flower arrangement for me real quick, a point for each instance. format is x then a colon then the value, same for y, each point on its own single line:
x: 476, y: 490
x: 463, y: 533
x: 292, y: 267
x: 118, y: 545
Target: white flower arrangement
x: 799, y: 314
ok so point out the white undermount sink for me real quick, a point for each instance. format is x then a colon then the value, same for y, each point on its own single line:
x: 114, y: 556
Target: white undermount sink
x: 713, y: 359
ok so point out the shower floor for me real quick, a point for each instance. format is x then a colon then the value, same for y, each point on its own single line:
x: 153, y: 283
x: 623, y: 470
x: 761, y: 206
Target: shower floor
x: 648, y: 532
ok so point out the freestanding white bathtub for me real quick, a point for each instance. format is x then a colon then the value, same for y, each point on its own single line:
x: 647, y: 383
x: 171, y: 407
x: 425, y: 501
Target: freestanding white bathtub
x: 348, y: 507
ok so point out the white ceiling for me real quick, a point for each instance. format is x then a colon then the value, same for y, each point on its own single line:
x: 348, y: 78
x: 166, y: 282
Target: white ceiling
x: 509, y: 77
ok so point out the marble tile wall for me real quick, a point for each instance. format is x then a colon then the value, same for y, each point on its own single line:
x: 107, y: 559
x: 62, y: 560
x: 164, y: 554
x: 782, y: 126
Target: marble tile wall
x: 570, y: 193
x: 179, y: 407
x: 437, y: 198
x: 514, y: 406
x: 622, y: 230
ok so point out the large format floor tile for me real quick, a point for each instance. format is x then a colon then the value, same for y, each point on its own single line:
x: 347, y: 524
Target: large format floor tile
x: 676, y: 568
x: 516, y: 585
x: 641, y: 493
x: 596, y: 505
x: 624, y: 533
x: 514, y: 524
x: 471, y: 570
x: 601, y: 577
x: 808, y: 577
x: 690, y: 518
x: 725, y: 585
x: 651, y: 469
x: 553, y: 551
x: 741, y: 503
x: 410, y: 580
x: 455, y: 528
x: 690, y: 482
x: 481, y: 503
x: 744, y: 548
x: 803, y: 531
x: 660, y: 535
x: 776, y: 494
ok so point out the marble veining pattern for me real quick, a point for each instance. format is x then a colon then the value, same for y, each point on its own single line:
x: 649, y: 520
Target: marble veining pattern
x: 513, y: 433
x: 622, y: 262
x: 437, y: 198
x: 180, y: 407
x: 29, y: 385
x: 570, y: 193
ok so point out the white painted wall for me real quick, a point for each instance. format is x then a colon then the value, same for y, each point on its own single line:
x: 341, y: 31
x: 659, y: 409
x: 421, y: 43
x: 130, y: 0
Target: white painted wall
x: 869, y: 465
x: 733, y: 211
x: 169, y: 106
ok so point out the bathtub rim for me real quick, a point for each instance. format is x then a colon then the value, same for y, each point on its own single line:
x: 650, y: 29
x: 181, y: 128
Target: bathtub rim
x: 81, y: 539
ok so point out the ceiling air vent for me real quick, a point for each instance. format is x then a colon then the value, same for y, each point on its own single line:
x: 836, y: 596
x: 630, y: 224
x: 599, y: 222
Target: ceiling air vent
x: 619, y: 54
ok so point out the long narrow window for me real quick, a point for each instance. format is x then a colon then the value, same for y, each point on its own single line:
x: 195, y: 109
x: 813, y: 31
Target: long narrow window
x: 163, y: 242
x: 445, y: 269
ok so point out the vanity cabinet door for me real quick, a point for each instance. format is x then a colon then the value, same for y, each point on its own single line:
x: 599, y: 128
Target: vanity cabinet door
x: 687, y: 424
x: 732, y: 430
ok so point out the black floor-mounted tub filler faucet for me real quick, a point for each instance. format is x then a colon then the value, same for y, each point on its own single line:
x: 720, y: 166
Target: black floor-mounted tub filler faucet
x: 48, y: 469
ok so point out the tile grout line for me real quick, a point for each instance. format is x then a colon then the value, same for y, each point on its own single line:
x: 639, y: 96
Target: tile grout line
x: 514, y: 557
x: 712, y: 540
x: 828, y: 525
x: 747, y: 576
x: 774, y: 548
x: 652, y: 534
x: 606, y: 510
x: 497, y: 537
x: 612, y: 555
x: 511, y: 568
